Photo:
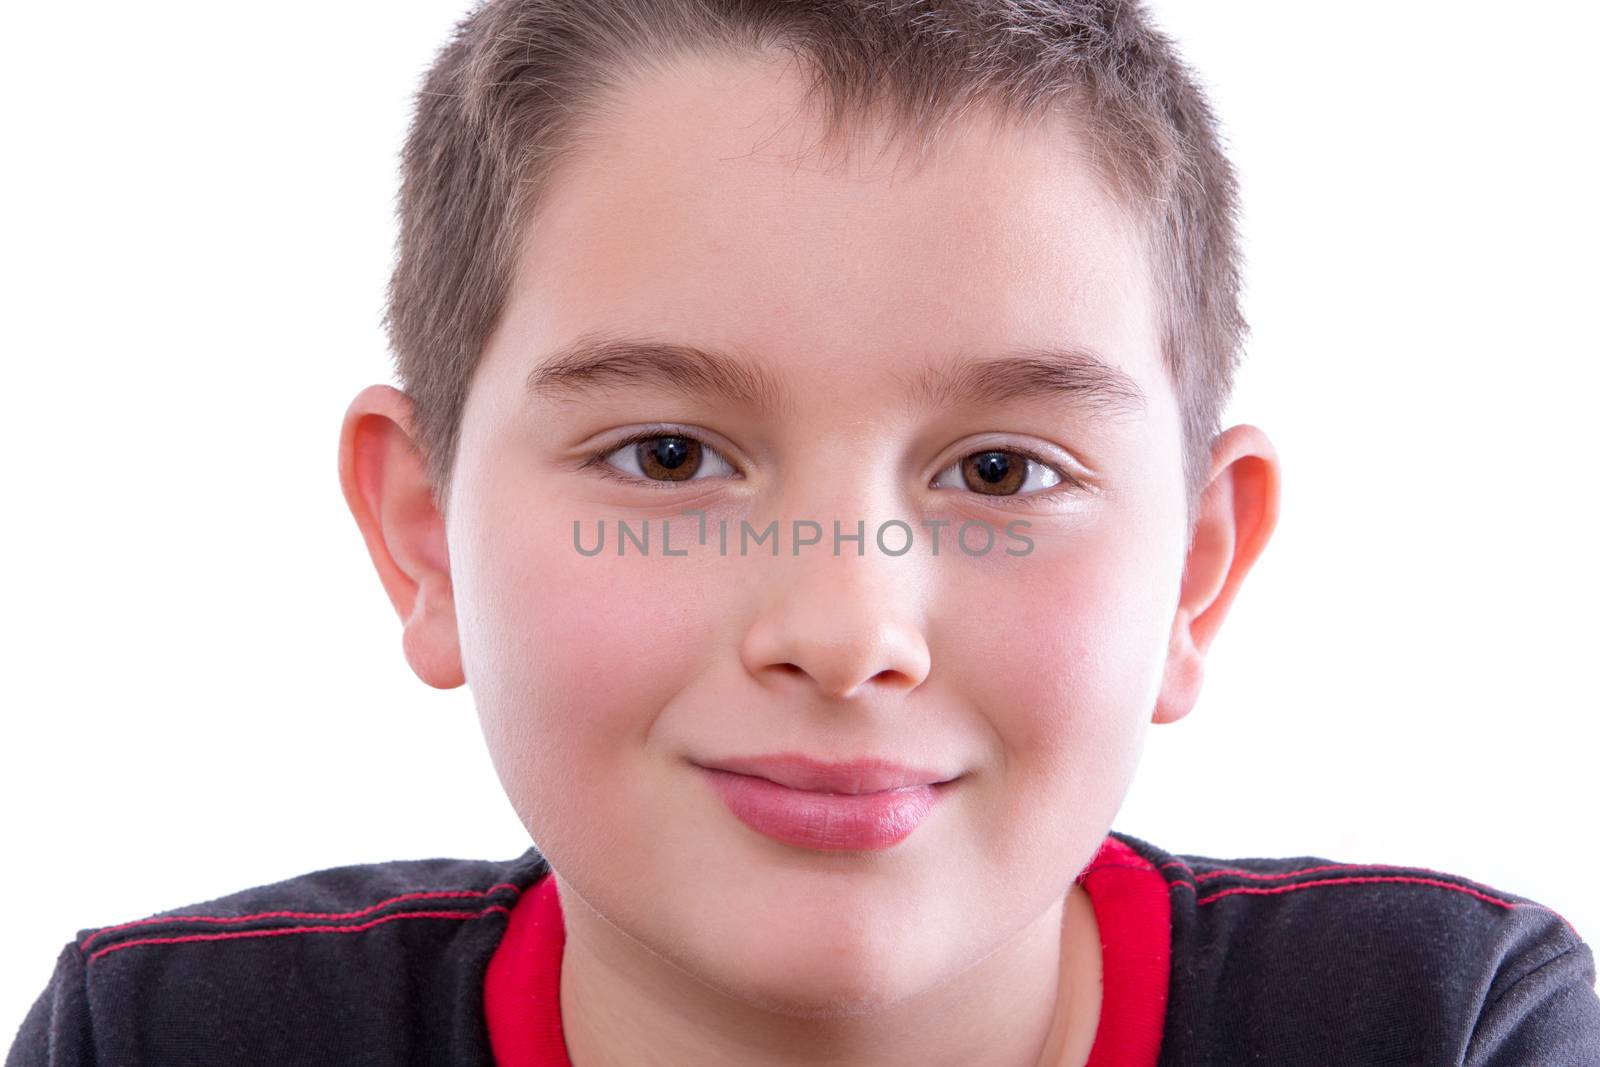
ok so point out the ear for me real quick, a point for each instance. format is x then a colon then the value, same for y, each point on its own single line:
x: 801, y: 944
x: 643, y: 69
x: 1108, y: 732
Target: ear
x: 385, y: 483
x: 1237, y: 513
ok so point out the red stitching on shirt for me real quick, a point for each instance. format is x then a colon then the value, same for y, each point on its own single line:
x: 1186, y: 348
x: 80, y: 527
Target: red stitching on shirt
x: 1234, y: 872
x: 357, y: 928
x: 439, y: 895
x: 1507, y: 904
x: 1229, y: 872
x: 1255, y: 891
x: 1251, y: 890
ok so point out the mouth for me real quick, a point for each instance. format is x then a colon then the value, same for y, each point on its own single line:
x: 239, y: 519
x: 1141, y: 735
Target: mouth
x: 860, y: 806
x: 849, y: 777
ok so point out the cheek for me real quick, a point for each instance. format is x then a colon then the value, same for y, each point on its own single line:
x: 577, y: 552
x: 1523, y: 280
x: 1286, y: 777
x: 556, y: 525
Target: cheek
x: 1063, y: 660
x: 571, y: 660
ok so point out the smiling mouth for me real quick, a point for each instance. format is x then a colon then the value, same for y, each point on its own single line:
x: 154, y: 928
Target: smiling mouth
x: 862, y: 821
x: 855, y: 777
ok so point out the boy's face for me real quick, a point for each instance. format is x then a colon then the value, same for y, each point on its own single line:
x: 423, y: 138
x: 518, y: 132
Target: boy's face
x: 605, y: 682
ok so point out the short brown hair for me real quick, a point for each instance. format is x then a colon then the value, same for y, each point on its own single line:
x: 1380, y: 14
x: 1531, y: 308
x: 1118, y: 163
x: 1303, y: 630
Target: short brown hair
x: 520, y: 81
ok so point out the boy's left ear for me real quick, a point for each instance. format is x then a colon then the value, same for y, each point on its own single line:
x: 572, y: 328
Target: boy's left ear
x: 1237, y: 513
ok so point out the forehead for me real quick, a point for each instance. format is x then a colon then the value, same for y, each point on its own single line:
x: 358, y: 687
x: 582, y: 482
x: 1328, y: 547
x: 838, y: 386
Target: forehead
x: 704, y: 208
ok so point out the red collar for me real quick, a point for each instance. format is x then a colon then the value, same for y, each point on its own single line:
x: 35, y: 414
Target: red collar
x: 522, y: 986
x: 1134, y: 912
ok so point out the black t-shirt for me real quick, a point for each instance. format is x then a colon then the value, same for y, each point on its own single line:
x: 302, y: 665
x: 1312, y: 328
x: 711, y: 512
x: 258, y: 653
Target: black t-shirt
x: 1284, y: 961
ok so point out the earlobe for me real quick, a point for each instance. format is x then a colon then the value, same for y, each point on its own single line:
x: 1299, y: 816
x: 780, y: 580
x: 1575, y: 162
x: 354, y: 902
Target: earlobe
x: 1180, y: 682
x: 385, y: 484
x: 431, y: 644
x: 1238, y: 512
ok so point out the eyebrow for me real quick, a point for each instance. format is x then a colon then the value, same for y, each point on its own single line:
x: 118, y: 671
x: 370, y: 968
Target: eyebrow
x: 1049, y: 374
x: 597, y: 363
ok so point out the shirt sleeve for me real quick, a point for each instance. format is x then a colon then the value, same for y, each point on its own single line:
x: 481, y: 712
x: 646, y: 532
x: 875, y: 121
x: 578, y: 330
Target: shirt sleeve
x: 56, y: 1031
x: 1549, y: 1015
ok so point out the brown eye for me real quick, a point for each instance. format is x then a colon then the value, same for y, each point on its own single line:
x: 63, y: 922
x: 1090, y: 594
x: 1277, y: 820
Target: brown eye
x: 1001, y: 472
x: 996, y: 473
x: 662, y: 458
x: 669, y: 458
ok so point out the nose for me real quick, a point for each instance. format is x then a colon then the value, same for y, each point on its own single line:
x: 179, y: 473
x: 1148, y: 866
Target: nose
x: 839, y: 623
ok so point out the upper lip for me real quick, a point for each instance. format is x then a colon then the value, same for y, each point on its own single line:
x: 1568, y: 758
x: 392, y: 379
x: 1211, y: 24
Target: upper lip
x: 798, y: 771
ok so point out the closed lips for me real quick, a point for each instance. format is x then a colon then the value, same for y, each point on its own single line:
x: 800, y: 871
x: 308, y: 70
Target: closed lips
x: 817, y: 776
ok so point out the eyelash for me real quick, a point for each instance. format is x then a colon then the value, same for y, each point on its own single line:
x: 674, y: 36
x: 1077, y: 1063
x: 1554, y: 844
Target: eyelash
x: 1068, y: 482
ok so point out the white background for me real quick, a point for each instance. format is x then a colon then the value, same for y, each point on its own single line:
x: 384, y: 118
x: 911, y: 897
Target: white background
x: 203, y: 684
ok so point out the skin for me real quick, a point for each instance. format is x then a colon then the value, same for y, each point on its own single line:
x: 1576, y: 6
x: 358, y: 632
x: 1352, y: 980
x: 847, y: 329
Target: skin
x: 704, y: 216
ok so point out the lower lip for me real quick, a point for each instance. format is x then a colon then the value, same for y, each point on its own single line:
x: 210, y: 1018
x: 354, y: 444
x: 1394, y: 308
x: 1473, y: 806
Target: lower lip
x: 833, y: 822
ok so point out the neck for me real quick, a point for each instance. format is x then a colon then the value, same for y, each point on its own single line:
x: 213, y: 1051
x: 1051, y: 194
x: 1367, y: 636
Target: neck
x: 1033, y: 1002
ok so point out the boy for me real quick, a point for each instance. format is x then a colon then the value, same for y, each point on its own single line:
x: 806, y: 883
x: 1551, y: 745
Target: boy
x: 821, y: 758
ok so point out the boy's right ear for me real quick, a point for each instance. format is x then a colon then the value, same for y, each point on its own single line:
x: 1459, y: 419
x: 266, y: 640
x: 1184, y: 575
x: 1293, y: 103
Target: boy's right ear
x: 385, y: 484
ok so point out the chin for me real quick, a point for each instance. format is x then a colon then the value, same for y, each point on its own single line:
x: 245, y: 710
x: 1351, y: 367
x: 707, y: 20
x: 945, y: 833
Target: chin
x: 825, y: 995
x: 809, y: 975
